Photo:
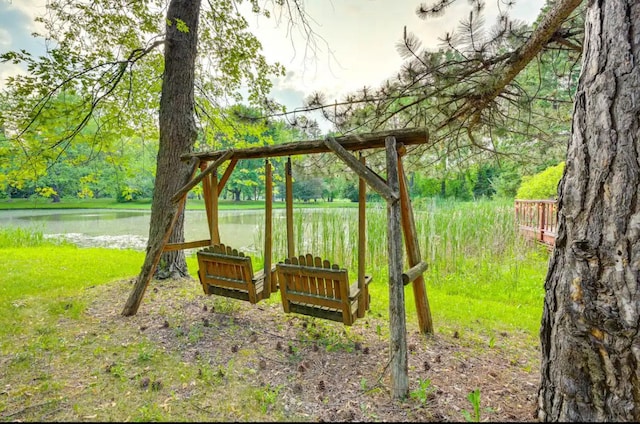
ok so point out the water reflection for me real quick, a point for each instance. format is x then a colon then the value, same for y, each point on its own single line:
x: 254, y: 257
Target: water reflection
x: 129, y: 229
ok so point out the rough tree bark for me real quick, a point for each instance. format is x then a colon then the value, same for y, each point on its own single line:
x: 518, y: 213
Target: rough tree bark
x: 590, y: 344
x: 177, y: 137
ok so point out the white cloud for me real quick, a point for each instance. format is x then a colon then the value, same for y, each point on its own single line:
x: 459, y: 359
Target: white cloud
x: 29, y: 8
x: 5, y: 39
x: 355, y: 41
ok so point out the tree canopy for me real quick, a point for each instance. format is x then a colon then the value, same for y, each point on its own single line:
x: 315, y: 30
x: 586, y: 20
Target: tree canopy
x: 501, y: 92
x: 98, y: 84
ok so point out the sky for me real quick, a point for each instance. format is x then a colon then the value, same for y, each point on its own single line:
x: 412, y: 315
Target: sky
x: 355, y: 41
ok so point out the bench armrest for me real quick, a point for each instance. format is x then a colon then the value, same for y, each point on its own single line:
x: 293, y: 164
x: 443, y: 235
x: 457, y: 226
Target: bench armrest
x: 354, y: 291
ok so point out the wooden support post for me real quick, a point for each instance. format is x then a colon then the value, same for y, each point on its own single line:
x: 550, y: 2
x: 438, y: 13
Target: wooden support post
x: 368, y: 175
x: 397, y: 319
x: 226, y: 175
x: 289, y: 205
x: 213, y: 199
x: 154, y: 252
x: 206, y: 194
x: 269, y: 286
x: 413, y: 254
x: 363, y: 304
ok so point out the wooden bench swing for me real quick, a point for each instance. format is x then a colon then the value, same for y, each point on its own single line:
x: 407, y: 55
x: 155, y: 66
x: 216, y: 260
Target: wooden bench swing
x: 312, y: 286
x: 308, y: 284
x: 223, y: 270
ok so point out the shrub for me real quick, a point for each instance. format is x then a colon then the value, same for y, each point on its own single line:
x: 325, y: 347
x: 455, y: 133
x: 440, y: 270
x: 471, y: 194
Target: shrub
x: 543, y: 185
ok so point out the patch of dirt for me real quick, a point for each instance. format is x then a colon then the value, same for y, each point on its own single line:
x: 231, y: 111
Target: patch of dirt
x: 329, y: 372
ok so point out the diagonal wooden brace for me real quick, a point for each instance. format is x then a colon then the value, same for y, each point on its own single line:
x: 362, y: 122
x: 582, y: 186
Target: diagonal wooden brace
x: 363, y: 171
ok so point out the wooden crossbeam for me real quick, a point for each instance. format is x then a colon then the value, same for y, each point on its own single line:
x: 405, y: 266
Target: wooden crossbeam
x: 353, y: 142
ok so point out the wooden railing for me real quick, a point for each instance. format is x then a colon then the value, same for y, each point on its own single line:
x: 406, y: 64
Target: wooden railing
x: 537, y: 220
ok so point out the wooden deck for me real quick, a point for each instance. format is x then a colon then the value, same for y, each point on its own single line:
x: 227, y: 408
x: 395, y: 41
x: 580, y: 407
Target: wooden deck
x: 538, y: 220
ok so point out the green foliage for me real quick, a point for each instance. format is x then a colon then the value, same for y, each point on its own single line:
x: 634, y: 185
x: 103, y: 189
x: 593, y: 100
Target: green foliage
x: 423, y: 391
x: 21, y: 237
x: 461, y: 187
x: 180, y: 25
x: 94, y: 165
x: 78, y: 123
x: 267, y: 397
x: 308, y: 189
x: 331, y: 188
x: 128, y: 194
x: 474, y: 398
x: 483, y: 186
x: 472, y: 183
x: 350, y: 191
x: 422, y: 186
x: 543, y: 185
x: 506, y: 183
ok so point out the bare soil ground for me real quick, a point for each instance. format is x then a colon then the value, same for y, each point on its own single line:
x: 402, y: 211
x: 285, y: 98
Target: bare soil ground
x: 323, y: 370
x: 330, y: 373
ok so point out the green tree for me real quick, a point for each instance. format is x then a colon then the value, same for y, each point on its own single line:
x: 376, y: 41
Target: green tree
x: 110, y: 52
x: 483, y: 187
x: 244, y: 127
x: 424, y: 186
x: 307, y: 189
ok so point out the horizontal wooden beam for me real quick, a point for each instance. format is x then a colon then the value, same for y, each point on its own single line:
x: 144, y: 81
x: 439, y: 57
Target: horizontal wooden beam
x: 349, y: 142
x: 414, y: 272
x: 186, y: 245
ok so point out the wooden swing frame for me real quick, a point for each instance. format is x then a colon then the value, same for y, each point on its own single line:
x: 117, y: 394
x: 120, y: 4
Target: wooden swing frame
x: 400, y: 221
x: 394, y: 190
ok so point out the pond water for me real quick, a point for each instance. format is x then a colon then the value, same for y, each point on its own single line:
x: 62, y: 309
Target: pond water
x: 130, y: 228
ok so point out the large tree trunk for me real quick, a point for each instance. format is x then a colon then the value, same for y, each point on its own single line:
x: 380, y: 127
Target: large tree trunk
x: 173, y: 264
x: 177, y: 136
x: 590, y: 341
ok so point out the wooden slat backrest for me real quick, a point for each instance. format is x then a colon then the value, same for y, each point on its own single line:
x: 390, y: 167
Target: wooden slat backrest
x: 316, y: 277
x: 224, y: 266
x: 227, y: 262
x: 312, y: 281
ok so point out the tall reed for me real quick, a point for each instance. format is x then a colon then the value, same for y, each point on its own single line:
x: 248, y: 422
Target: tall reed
x: 20, y: 237
x: 449, y: 233
x: 472, y: 248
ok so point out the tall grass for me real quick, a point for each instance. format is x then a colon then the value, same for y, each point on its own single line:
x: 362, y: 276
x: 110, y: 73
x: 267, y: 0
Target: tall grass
x: 480, y: 269
x: 449, y: 234
x: 20, y: 237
